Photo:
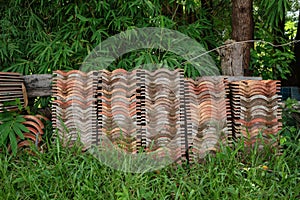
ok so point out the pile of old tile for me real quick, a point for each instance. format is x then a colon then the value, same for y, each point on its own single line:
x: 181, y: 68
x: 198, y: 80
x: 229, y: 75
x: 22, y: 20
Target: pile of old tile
x: 161, y: 111
x: 11, y: 88
x: 74, y: 107
x: 209, y: 117
x: 256, y: 110
x: 144, y: 111
x: 140, y: 111
x: 117, y: 109
x: 165, y: 124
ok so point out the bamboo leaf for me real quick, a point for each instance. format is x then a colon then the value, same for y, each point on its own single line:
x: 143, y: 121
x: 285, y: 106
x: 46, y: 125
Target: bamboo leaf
x: 13, y: 142
x: 17, y: 131
x: 4, y: 132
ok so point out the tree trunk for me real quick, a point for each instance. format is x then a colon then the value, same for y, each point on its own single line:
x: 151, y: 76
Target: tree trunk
x: 232, y: 58
x: 242, y: 28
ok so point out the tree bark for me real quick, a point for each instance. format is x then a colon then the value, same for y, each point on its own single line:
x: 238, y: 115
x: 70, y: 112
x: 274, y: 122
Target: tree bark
x: 243, y: 29
x: 232, y: 58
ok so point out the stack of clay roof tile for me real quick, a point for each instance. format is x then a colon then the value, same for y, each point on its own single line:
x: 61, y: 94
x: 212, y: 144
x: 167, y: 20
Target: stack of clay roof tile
x: 160, y: 111
x: 208, y: 115
x: 137, y: 111
x: 11, y: 88
x: 117, y: 109
x: 164, y: 129
x: 140, y: 110
x: 74, y: 107
x: 255, y: 109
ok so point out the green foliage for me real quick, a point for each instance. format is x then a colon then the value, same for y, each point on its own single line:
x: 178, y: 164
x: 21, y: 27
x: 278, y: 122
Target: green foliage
x: 11, y: 127
x: 290, y: 122
x: 291, y: 113
x: 270, y: 62
x: 273, y: 11
x: 40, y: 36
x: 71, y: 174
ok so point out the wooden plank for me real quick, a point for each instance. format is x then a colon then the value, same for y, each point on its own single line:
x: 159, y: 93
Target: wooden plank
x: 242, y: 78
x: 38, y: 85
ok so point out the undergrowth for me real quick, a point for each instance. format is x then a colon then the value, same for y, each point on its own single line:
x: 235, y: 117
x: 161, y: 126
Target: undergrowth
x: 67, y: 173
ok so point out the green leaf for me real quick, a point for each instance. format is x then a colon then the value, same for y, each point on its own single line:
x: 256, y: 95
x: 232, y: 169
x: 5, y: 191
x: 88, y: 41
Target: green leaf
x: 82, y: 18
x: 20, y: 119
x: 18, y: 131
x: 13, y: 143
x: 6, y: 117
x: 4, y: 132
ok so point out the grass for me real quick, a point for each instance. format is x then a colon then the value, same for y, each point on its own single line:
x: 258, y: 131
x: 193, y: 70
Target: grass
x: 66, y: 173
